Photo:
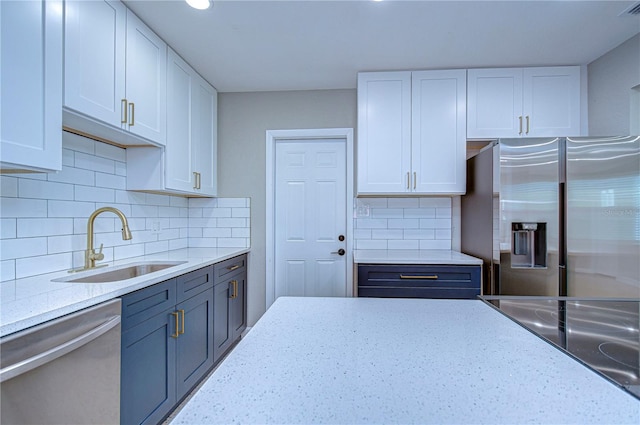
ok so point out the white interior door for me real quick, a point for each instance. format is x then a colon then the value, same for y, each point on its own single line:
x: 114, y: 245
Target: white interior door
x: 310, y: 216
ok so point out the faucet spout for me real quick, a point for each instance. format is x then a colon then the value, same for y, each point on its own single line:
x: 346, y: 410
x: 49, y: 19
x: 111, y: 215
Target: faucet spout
x: 91, y: 256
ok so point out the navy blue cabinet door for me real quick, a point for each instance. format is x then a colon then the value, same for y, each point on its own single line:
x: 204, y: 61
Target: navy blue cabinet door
x: 222, y: 335
x: 195, y: 341
x: 148, y: 379
x: 238, y: 307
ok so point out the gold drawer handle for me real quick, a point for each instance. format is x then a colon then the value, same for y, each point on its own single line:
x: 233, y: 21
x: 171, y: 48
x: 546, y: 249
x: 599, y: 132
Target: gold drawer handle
x: 181, y: 327
x: 175, y: 315
x: 435, y: 276
x: 234, y: 267
x: 234, y: 286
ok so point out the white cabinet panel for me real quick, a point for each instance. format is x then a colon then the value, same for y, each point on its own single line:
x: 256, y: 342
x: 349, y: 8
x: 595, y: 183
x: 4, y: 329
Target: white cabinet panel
x: 439, y: 132
x: 494, y: 102
x: 146, y: 61
x: 384, y: 131
x: 31, y: 85
x: 205, y: 133
x: 523, y: 102
x: 94, y: 59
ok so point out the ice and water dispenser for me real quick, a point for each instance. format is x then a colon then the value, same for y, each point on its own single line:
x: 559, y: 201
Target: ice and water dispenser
x: 529, y: 245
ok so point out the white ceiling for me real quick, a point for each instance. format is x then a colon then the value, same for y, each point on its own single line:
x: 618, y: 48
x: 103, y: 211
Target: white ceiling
x: 303, y: 45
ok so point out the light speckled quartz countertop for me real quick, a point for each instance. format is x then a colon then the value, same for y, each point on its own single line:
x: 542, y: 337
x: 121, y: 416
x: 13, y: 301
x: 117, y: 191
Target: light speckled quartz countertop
x: 413, y: 256
x: 368, y: 360
x: 30, y: 301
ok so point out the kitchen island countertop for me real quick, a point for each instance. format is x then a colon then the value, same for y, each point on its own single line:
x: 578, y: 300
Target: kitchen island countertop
x: 414, y: 256
x: 30, y: 301
x: 368, y: 360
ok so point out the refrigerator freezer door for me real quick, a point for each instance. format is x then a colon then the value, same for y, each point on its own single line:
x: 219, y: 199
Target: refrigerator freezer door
x: 529, y: 177
x: 603, y: 217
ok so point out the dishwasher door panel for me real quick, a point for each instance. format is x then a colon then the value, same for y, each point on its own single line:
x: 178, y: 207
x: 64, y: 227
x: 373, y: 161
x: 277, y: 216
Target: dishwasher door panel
x: 66, y: 371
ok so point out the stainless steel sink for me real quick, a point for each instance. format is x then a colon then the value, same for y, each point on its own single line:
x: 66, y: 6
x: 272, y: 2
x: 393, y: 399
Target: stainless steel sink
x: 128, y: 271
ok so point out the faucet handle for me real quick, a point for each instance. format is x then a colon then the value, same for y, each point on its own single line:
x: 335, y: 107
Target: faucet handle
x: 99, y: 256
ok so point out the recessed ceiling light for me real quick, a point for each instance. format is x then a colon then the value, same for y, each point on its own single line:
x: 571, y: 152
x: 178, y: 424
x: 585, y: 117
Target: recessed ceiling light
x: 199, y: 4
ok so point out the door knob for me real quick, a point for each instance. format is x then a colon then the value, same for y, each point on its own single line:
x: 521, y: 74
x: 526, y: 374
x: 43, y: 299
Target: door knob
x: 339, y: 252
x: 341, y: 238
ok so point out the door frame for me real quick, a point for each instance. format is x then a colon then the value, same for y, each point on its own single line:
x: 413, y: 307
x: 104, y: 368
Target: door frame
x: 310, y: 135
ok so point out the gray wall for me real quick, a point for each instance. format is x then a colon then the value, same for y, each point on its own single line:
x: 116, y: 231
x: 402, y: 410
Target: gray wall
x: 611, y: 79
x: 243, y: 120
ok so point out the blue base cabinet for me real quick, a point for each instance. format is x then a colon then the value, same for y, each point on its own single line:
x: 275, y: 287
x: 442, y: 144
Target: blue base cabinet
x: 230, y: 304
x: 418, y: 281
x: 167, y: 345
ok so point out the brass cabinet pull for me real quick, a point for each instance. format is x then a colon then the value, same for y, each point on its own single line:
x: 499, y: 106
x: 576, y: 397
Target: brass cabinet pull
x: 419, y: 277
x: 124, y: 109
x: 527, y: 132
x: 175, y: 315
x: 182, y: 326
x: 415, y: 178
x: 234, y: 267
x: 234, y: 290
x: 520, y: 118
x: 132, y: 120
x: 408, y: 180
x: 195, y: 180
x: 199, y: 181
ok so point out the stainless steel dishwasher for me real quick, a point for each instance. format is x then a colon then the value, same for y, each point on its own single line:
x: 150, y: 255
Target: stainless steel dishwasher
x: 66, y: 371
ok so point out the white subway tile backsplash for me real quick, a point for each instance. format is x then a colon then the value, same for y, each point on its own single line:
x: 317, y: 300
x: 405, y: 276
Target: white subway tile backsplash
x: 371, y: 244
x: 8, y: 186
x: 403, y: 244
x: 419, y: 234
x: 31, y: 266
x: 387, y: 212
x: 7, y: 270
x: 30, y: 227
x: 419, y: 213
x: 111, y: 181
x: 107, y: 151
x: 45, y: 190
x: 218, y: 212
x: 70, y: 209
x: 25, y: 247
x: 371, y: 223
x: 435, y: 244
x: 94, y: 163
x: 386, y: 234
x: 18, y: 207
x: 404, y: 223
x: 8, y: 228
x: 74, y: 176
x: 43, y: 220
x: 95, y: 194
x: 232, y: 222
x: 404, y: 202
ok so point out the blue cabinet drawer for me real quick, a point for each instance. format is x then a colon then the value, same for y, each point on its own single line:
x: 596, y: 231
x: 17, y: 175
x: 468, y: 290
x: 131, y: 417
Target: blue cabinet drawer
x: 230, y: 267
x: 395, y: 292
x: 192, y: 283
x: 415, y: 281
x: 138, y: 306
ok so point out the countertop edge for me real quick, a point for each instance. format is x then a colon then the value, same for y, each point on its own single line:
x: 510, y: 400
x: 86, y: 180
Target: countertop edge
x: 195, y: 258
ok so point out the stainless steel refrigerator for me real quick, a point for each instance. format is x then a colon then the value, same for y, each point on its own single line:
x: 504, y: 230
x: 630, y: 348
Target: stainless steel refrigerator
x: 555, y: 216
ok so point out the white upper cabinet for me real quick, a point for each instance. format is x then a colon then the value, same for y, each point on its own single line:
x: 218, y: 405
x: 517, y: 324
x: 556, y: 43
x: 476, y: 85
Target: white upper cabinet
x: 31, y: 85
x: 188, y: 163
x: 411, y: 132
x: 438, y: 147
x: 384, y: 132
x: 523, y: 102
x: 115, y: 74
